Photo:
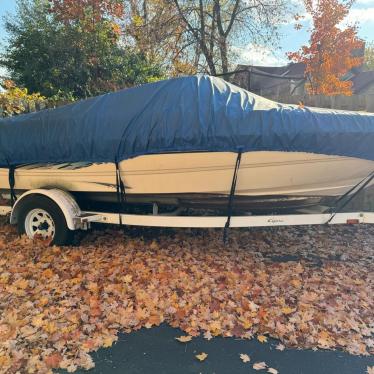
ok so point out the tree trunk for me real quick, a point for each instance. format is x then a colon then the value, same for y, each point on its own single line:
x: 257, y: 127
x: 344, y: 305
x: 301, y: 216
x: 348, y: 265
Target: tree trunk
x: 209, y: 60
x: 223, y: 51
x: 203, y: 44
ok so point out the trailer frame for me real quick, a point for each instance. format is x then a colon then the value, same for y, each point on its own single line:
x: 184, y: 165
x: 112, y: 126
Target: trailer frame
x: 77, y: 219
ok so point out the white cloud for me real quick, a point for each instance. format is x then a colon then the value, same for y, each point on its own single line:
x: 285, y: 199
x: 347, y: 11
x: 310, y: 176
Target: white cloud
x: 360, y: 15
x: 253, y: 54
x: 365, y: 2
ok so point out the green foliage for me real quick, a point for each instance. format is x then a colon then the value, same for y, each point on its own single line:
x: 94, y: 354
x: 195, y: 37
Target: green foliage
x: 52, y: 57
x: 15, y: 100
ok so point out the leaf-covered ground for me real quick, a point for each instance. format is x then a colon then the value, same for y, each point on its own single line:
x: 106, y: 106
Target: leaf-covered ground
x: 309, y: 287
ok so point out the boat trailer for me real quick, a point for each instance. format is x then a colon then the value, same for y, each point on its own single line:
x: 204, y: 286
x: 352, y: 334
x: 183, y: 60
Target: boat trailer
x: 55, y: 213
x: 76, y: 219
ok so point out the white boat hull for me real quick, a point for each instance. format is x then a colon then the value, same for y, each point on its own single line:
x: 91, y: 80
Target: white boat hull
x: 172, y: 178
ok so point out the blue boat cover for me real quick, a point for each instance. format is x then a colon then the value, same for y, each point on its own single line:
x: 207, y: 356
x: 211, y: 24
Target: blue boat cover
x: 197, y: 113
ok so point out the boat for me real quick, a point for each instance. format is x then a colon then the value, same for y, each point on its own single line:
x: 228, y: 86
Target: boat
x: 176, y: 143
x: 267, y: 181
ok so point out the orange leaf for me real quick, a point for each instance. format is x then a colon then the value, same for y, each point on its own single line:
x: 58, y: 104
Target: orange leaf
x: 184, y: 338
x: 262, y: 338
x: 47, y: 273
x: 53, y: 360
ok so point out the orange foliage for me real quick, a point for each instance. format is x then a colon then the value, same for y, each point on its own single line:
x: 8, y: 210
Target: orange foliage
x: 68, y: 10
x: 329, y: 56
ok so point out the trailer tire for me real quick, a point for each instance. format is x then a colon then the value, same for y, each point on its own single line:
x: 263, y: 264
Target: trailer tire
x: 39, y: 215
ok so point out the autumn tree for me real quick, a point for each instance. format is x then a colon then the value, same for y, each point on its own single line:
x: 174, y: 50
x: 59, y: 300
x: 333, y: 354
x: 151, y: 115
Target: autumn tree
x: 154, y: 27
x: 207, y: 30
x: 332, y: 50
x: 58, y: 50
x: 81, y: 10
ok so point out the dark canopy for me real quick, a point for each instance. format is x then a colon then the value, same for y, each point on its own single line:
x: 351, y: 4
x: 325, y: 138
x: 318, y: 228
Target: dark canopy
x: 198, y: 113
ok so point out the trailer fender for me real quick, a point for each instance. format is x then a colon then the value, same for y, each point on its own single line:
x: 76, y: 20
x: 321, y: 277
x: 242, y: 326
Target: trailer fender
x: 63, y: 199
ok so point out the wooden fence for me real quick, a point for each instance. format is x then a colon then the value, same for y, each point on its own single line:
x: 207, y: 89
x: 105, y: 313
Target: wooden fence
x: 354, y: 102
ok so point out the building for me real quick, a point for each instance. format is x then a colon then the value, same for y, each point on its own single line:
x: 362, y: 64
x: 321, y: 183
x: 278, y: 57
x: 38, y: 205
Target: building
x: 363, y: 83
x: 289, y: 80
x: 271, y: 80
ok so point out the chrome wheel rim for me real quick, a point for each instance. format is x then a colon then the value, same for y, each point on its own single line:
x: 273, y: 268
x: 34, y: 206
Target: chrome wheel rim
x: 38, y: 222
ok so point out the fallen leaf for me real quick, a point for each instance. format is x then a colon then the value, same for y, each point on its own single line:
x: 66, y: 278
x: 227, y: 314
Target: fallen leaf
x: 325, y: 339
x: 296, y: 283
x: 262, y: 338
x: 127, y: 278
x: 202, y: 356
x: 21, y: 283
x: 93, y: 286
x: 47, y: 273
x: 184, y: 338
x: 215, y: 328
x: 287, y: 310
x: 208, y: 335
x: 154, y: 245
x: 272, y: 371
x: 108, y: 341
x: 72, y: 368
x: 50, y: 327
x: 74, y: 301
x: 43, y: 301
x: 259, y: 366
x: 38, y: 321
x: 244, y: 357
x: 53, y: 360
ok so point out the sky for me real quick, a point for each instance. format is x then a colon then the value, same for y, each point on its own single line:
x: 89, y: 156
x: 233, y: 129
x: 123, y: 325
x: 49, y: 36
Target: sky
x: 290, y: 40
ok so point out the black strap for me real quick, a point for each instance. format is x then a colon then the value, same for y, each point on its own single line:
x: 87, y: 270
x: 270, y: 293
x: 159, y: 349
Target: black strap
x: 231, y: 197
x: 12, y: 182
x: 121, y: 192
x: 349, y: 196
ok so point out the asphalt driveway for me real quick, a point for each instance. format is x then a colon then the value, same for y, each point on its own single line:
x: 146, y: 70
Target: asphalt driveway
x: 156, y: 351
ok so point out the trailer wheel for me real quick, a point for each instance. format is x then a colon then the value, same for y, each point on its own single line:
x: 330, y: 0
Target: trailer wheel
x: 40, y: 216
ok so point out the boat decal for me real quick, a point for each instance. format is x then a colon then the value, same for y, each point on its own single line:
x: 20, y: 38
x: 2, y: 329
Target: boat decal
x: 275, y: 220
